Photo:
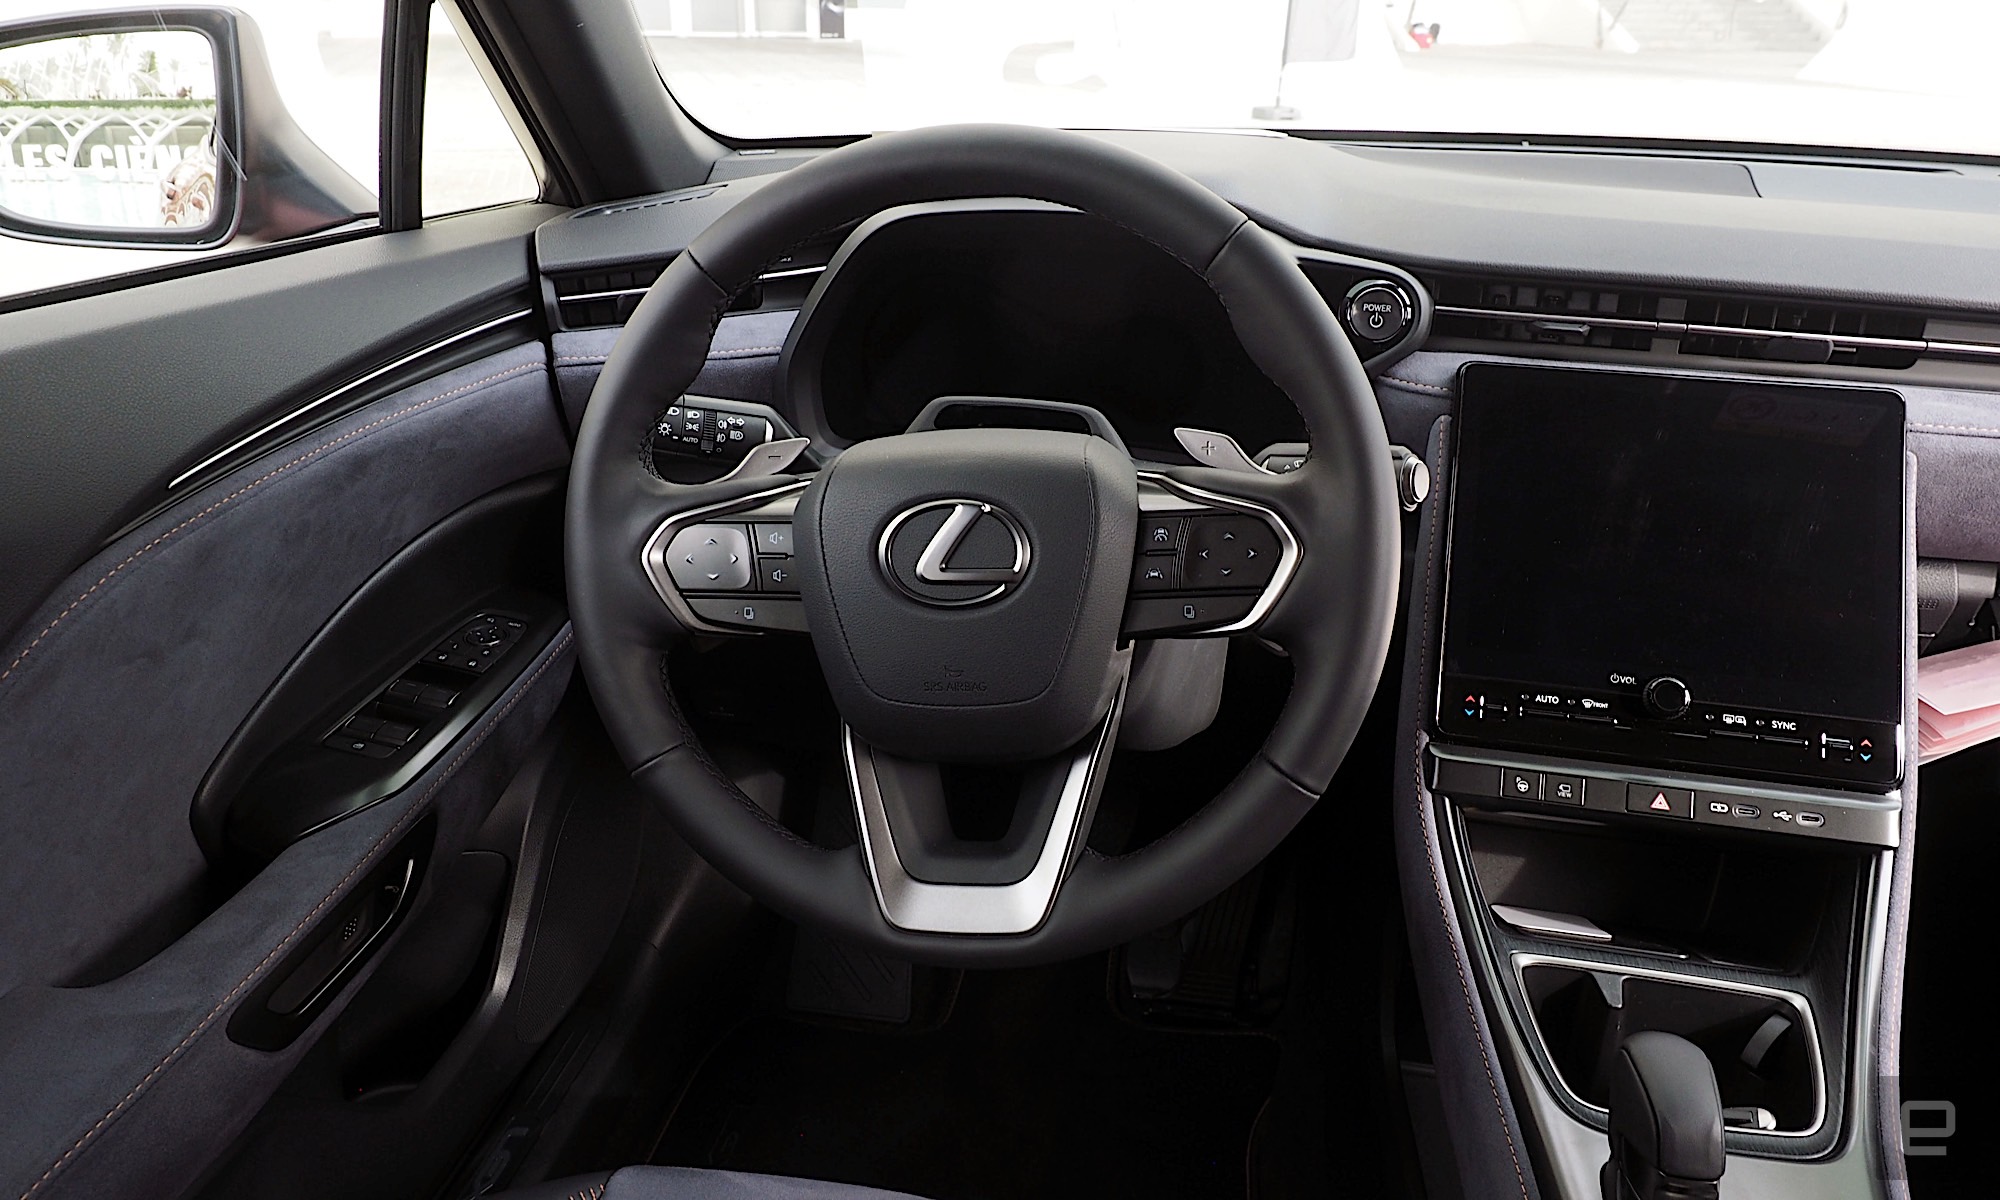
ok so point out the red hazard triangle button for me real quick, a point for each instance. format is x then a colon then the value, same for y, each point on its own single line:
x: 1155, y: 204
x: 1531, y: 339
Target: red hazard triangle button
x: 1658, y: 801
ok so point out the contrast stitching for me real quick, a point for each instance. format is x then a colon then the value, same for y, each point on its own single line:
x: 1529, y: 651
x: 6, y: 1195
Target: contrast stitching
x: 1426, y: 823
x: 1956, y: 429
x: 246, y: 488
x: 594, y: 1192
x: 733, y: 352
x: 367, y: 860
x: 1422, y: 387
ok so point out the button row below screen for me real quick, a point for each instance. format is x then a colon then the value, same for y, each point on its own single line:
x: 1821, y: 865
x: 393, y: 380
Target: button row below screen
x: 1468, y: 781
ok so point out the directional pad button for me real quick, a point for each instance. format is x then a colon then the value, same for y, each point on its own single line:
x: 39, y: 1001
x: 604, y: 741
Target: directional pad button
x: 711, y: 558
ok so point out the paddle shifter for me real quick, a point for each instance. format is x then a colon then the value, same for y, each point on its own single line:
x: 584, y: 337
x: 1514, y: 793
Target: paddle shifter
x: 1666, y: 1122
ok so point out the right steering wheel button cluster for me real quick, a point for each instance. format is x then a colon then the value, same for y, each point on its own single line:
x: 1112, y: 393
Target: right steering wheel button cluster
x: 1197, y: 572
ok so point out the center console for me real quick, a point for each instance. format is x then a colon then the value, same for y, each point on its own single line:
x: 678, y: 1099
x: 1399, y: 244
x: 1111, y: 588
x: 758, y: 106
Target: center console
x: 1662, y: 746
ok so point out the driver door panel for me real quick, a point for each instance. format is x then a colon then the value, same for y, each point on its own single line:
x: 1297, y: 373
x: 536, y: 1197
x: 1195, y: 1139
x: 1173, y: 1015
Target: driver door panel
x: 124, y: 951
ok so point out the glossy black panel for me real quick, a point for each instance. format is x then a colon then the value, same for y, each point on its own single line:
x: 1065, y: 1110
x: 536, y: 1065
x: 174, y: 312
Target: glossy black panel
x: 1678, y: 570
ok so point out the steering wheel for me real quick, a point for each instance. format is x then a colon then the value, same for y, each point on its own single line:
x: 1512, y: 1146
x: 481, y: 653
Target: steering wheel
x: 970, y: 593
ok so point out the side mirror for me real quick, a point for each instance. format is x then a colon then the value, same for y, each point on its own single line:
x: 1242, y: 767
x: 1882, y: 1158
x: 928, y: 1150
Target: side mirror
x: 156, y: 127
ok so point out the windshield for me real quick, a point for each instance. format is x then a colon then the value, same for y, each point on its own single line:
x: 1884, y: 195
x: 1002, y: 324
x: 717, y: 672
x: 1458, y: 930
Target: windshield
x: 1912, y: 75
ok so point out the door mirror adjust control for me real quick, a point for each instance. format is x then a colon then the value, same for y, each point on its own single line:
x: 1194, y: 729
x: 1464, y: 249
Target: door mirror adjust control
x: 392, y: 718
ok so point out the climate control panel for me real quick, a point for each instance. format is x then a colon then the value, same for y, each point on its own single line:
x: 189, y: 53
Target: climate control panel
x: 1663, y: 719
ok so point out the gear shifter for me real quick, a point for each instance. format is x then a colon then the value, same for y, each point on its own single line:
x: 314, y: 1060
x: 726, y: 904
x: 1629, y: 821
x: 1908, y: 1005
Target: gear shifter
x: 1666, y: 1122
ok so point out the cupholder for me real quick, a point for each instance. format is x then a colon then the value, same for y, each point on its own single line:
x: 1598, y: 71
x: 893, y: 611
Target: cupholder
x: 1761, y: 1041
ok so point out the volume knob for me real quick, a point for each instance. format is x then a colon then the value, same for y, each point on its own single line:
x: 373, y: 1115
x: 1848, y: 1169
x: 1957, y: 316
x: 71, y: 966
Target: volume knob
x: 1666, y: 697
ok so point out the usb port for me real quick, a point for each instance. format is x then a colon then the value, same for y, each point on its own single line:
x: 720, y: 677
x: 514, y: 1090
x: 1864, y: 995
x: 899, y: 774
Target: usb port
x: 1811, y: 820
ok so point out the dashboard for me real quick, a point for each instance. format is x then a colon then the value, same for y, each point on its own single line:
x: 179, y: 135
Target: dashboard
x: 1715, y: 450
x: 1716, y: 444
x: 1723, y: 274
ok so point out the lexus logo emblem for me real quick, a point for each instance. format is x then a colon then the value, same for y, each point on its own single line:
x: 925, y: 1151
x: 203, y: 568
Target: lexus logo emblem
x: 952, y: 553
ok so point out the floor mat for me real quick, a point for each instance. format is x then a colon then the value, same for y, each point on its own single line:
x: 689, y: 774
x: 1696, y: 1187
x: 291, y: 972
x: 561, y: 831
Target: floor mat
x: 1031, y: 1087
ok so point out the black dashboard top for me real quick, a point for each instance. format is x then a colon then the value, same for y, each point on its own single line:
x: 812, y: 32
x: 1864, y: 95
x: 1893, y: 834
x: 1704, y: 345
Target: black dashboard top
x: 1870, y: 232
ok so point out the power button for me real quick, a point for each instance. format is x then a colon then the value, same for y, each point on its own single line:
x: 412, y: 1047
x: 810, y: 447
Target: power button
x: 1377, y: 311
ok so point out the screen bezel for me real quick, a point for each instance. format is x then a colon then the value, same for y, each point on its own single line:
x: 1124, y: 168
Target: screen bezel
x: 1655, y: 750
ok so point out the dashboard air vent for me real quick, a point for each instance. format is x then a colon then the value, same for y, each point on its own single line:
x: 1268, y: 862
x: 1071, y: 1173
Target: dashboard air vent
x: 1572, y: 314
x: 595, y: 298
x: 600, y: 297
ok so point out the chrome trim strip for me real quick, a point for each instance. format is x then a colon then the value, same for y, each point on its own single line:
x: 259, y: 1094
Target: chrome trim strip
x: 1289, y: 552
x: 1524, y: 318
x: 1519, y: 960
x: 653, y: 556
x: 342, y: 390
x: 966, y: 908
x: 1967, y: 349
x: 341, y: 973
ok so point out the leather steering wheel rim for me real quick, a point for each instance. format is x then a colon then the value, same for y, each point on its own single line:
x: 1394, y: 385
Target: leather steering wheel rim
x: 1334, y: 617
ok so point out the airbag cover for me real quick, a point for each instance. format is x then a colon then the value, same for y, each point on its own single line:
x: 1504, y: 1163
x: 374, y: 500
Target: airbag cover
x: 1002, y: 648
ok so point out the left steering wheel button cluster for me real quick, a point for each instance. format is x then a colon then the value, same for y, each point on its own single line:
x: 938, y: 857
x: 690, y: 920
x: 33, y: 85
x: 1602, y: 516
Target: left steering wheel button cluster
x: 738, y: 575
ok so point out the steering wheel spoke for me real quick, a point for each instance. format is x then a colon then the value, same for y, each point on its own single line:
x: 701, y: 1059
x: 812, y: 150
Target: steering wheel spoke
x: 928, y: 879
x: 1210, y: 561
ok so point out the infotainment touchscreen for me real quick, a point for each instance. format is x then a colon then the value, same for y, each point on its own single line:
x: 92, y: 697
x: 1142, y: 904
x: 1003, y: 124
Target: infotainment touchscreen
x: 1677, y: 570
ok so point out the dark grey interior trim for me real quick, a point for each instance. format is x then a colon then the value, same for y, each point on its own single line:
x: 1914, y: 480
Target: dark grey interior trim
x: 111, y: 395
x: 1892, y: 924
x: 1488, y: 1135
x: 348, y: 388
